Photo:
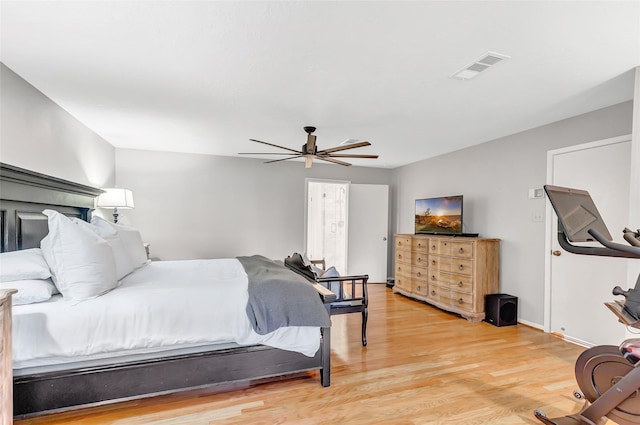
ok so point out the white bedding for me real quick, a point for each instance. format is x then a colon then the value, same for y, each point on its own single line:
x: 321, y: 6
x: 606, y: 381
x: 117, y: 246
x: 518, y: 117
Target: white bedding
x: 161, y: 306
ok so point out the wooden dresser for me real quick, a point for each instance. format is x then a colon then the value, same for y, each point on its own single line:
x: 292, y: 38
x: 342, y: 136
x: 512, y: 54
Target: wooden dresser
x: 6, y: 367
x: 452, y: 273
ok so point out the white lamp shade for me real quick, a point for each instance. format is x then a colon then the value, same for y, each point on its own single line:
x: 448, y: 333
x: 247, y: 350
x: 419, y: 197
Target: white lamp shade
x: 115, y: 197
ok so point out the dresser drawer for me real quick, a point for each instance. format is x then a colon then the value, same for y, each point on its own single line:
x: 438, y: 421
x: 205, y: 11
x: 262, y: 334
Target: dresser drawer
x: 461, y: 300
x: 420, y: 287
x: 403, y: 242
x: 403, y: 256
x: 420, y: 245
x: 403, y: 270
x: 461, y: 249
x: 419, y: 259
x: 420, y: 273
x: 433, y: 292
x: 444, y: 295
x: 451, y: 248
x: 403, y: 283
x: 434, y: 276
x: 440, y: 247
x: 451, y: 264
x: 457, y: 282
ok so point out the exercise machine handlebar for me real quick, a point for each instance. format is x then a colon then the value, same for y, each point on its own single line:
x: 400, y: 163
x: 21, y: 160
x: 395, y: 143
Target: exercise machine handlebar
x: 608, y: 249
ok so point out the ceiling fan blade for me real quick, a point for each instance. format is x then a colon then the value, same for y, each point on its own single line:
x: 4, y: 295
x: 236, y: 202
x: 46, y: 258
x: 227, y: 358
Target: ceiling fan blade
x: 345, y: 147
x: 283, y: 159
x: 311, y: 144
x: 335, y: 161
x: 346, y: 155
x: 264, y: 153
x: 276, y: 146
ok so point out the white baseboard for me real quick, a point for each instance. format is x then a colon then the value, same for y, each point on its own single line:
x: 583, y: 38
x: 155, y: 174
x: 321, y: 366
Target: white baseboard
x: 531, y: 324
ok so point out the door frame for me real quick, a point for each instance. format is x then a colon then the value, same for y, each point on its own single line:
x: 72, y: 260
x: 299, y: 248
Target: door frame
x: 306, y: 211
x: 550, y: 215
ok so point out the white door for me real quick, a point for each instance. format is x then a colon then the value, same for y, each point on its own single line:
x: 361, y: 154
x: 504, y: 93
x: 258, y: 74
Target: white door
x: 368, y: 231
x: 579, y: 285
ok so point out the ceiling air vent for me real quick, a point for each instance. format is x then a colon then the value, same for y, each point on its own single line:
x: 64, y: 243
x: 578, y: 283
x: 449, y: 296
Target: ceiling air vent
x: 483, y: 63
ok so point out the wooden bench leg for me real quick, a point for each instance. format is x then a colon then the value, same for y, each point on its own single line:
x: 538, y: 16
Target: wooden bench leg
x: 325, y: 371
x: 365, y: 314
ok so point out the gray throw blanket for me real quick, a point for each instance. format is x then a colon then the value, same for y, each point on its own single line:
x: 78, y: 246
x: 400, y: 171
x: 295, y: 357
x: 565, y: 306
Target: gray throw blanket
x: 279, y: 297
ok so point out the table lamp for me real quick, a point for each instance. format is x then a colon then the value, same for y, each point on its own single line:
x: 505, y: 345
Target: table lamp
x: 115, y: 197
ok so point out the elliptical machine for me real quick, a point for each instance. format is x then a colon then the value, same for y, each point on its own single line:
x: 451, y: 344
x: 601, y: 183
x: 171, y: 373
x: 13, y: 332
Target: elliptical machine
x: 608, y: 376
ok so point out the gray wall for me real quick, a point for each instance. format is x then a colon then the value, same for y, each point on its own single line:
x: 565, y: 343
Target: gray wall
x: 201, y: 206
x: 494, y: 178
x: 205, y: 206
x: 37, y: 134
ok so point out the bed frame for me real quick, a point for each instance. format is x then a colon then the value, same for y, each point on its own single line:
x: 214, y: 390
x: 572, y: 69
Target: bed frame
x: 24, y: 195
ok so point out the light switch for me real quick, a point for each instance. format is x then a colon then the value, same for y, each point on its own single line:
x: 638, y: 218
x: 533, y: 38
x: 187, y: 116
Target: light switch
x: 536, y: 193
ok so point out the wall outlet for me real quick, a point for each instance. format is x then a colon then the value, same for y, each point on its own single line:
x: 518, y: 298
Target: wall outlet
x: 538, y: 216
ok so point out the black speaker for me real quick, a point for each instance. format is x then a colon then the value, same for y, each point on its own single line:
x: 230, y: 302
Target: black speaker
x: 501, y: 309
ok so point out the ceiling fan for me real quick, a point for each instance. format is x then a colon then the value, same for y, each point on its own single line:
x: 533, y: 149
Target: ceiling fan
x: 309, y: 151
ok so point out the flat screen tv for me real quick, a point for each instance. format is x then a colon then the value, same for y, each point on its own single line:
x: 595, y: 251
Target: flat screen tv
x: 437, y: 216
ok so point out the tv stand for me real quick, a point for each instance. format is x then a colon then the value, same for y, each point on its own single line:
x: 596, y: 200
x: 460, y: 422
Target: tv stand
x: 449, y: 272
x: 451, y: 235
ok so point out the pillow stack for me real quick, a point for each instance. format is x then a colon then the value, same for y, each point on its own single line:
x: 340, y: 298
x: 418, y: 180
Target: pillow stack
x: 28, y: 272
x: 83, y: 260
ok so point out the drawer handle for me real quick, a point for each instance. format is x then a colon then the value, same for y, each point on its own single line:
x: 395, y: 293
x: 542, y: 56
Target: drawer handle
x: 419, y: 245
x: 419, y: 259
x: 460, y: 301
x: 433, y: 277
x: 433, y: 292
x: 433, y: 262
x: 418, y: 287
x: 418, y: 274
x: 445, y: 244
x: 460, y: 267
x: 433, y: 247
x: 460, y: 284
x: 461, y: 250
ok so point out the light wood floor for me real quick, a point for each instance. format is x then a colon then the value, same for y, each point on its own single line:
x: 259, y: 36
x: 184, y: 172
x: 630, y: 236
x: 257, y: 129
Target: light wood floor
x: 422, y: 366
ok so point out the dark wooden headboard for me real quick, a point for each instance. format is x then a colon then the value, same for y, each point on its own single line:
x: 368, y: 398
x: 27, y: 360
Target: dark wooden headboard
x: 25, y: 194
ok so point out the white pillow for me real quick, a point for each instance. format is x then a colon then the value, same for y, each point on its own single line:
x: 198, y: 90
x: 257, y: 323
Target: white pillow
x: 123, y: 265
x: 21, y: 265
x: 81, y: 262
x: 30, y: 291
x: 131, y: 239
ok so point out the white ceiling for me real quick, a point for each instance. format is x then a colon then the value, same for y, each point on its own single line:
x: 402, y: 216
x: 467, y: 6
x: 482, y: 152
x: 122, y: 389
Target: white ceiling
x: 206, y: 76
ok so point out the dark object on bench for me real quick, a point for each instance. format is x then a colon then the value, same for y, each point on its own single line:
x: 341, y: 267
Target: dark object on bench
x: 351, y: 291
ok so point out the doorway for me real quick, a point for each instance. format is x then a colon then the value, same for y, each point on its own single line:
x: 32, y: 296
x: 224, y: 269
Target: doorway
x: 327, y: 216
x: 347, y: 225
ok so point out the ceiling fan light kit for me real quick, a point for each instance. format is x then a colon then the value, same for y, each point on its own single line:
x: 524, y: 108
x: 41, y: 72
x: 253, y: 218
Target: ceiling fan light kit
x: 309, y: 150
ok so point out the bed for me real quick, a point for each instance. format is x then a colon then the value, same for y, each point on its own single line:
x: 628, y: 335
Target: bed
x: 59, y: 370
